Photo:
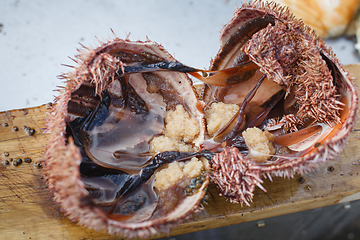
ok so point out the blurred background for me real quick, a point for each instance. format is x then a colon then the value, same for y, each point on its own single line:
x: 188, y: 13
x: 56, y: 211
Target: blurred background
x: 36, y: 37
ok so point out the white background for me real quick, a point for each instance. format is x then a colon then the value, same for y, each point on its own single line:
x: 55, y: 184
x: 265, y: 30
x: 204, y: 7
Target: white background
x: 36, y: 37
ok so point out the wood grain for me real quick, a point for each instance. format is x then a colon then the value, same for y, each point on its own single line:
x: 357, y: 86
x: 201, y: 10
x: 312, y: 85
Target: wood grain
x: 27, y: 211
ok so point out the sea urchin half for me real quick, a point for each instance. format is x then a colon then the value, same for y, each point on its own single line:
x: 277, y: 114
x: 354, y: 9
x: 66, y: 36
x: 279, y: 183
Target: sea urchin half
x: 298, y: 104
x: 113, y: 160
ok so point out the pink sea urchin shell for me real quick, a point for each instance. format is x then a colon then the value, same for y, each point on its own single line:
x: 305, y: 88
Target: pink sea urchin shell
x: 85, y: 196
x: 320, y: 99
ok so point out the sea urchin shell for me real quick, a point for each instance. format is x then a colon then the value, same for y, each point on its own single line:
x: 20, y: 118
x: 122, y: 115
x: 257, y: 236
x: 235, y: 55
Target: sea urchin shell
x: 100, y: 162
x: 307, y: 102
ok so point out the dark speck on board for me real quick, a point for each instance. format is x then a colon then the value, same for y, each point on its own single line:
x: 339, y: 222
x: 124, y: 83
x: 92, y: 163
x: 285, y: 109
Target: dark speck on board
x: 301, y: 180
x: 38, y: 165
x: 30, y: 131
x: 17, y: 162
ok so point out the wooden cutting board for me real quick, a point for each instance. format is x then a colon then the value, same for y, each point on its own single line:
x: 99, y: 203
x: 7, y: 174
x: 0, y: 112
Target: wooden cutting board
x: 27, y: 211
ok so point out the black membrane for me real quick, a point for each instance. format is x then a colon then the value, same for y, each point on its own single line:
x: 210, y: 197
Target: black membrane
x: 164, y: 65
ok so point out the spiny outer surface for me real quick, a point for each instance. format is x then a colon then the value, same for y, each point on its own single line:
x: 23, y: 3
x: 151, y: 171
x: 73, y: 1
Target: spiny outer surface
x: 332, y: 146
x: 62, y: 159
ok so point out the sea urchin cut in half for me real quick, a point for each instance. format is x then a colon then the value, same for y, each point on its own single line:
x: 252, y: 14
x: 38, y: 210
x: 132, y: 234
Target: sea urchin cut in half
x: 297, y: 103
x: 114, y: 160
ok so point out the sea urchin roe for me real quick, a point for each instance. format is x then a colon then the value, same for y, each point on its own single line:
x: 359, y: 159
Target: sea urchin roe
x: 218, y: 115
x: 181, y: 125
x: 176, y: 171
x: 163, y: 144
x: 180, y: 129
x: 260, y: 144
